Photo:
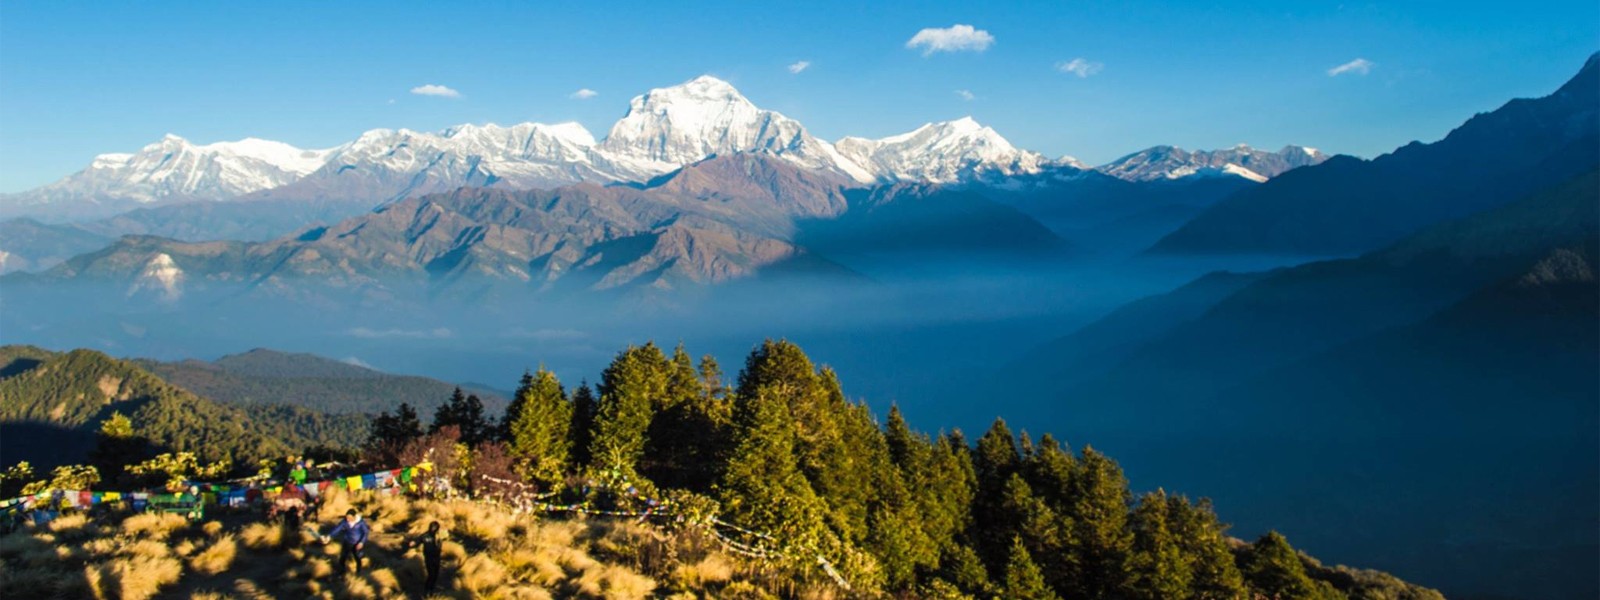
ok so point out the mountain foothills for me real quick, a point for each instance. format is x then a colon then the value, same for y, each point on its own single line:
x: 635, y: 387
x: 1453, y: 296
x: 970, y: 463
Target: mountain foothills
x: 780, y: 451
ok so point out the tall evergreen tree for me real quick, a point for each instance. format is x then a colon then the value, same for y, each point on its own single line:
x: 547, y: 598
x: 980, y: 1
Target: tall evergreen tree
x: 116, y: 446
x: 711, y: 385
x: 762, y: 487
x: 632, y: 388
x: 1099, y: 514
x: 1023, y: 580
x: 540, y: 428
x: 466, y: 412
x: 1211, y: 563
x: 1157, y: 568
x: 996, y: 460
x: 1273, y: 569
x: 389, y: 433
x: 689, y: 434
x: 585, y: 408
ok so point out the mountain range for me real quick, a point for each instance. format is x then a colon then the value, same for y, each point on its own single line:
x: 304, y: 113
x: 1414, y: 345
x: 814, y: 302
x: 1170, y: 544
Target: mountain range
x: 662, y: 131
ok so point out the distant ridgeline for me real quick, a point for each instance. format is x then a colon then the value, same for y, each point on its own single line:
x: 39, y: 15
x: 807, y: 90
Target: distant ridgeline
x: 781, y: 451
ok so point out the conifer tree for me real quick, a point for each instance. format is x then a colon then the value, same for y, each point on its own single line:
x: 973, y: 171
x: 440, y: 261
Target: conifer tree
x: 996, y: 460
x: 762, y: 487
x: 466, y: 412
x: 1023, y: 580
x: 1099, y: 514
x: 632, y: 388
x: 585, y: 407
x: 1273, y: 569
x: 960, y: 566
x: 540, y: 435
x: 1157, y: 568
x: 116, y: 446
x: 1211, y: 563
x: 711, y: 385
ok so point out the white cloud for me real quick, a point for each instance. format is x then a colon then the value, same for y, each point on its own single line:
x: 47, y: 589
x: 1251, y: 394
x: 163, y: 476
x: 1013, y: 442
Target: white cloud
x: 437, y: 333
x: 1360, y: 66
x: 955, y: 38
x: 435, y: 90
x: 584, y: 94
x: 1080, y: 66
x: 796, y: 68
x: 965, y: 95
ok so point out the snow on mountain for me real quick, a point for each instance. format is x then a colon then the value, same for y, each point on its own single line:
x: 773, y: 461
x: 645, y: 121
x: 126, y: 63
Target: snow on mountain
x: 942, y: 153
x: 662, y: 131
x: 175, y: 168
x: 1168, y: 162
x: 679, y: 125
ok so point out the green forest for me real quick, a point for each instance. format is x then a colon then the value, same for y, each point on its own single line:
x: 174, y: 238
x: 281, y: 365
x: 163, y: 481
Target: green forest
x: 778, y: 449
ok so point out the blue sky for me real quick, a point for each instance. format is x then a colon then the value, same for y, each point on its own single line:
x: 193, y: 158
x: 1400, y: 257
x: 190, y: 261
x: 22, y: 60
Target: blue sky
x: 78, y: 79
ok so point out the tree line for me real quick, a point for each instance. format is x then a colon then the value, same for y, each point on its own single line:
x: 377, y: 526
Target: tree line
x: 784, y: 451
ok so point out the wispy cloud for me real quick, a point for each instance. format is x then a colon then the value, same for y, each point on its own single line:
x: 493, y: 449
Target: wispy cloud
x: 955, y: 38
x: 583, y: 94
x: 438, y: 333
x: 965, y: 95
x: 1360, y: 66
x: 1081, y: 67
x: 435, y: 90
x: 797, y: 67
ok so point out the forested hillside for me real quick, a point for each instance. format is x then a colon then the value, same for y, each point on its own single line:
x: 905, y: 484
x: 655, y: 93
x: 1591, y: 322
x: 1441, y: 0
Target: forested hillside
x: 264, y: 377
x: 837, y: 502
x: 52, y: 404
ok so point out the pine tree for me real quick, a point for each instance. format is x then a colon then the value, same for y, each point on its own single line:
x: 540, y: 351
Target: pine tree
x: 116, y: 446
x: 762, y: 487
x: 540, y: 430
x: 1156, y: 565
x: 996, y: 460
x: 1215, y: 573
x: 1099, y: 514
x: 1273, y: 569
x: 1023, y: 580
x: 466, y: 412
x: 711, y: 379
x: 689, y: 433
x: 585, y: 407
x: 389, y: 434
x: 514, y: 409
x: 632, y: 388
x: 960, y: 566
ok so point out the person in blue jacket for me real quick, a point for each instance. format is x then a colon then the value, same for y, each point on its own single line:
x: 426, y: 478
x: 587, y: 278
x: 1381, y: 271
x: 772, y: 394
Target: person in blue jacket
x: 352, y: 534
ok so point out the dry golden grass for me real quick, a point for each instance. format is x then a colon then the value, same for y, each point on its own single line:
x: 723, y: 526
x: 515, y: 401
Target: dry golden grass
x: 134, y: 577
x: 714, y: 569
x: 613, y: 582
x: 216, y: 558
x: 155, y: 526
x: 488, y: 553
x: 479, y: 575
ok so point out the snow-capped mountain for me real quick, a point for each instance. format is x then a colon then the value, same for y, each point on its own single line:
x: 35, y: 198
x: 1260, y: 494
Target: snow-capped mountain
x: 1168, y: 162
x: 175, y: 168
x: 662, y: 131
x: 671, y: 127
x: 942, y: 153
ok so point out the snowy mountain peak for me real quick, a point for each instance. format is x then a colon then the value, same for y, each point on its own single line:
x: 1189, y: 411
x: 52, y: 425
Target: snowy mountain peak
x: 702, y: 117
x: 1169, y: 162
x: 943, y: 152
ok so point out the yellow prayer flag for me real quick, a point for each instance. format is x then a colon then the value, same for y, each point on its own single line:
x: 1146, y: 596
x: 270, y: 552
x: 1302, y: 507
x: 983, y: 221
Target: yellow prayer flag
x: 353, y: 483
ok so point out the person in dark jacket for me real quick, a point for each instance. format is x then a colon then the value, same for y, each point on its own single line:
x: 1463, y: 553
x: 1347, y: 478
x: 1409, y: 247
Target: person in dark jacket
x: 352, y: 534
x: 429, y: 541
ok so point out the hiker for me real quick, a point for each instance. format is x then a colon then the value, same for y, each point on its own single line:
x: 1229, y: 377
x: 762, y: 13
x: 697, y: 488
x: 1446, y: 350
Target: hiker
x: 431, y: 546
x: 352, y: 534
